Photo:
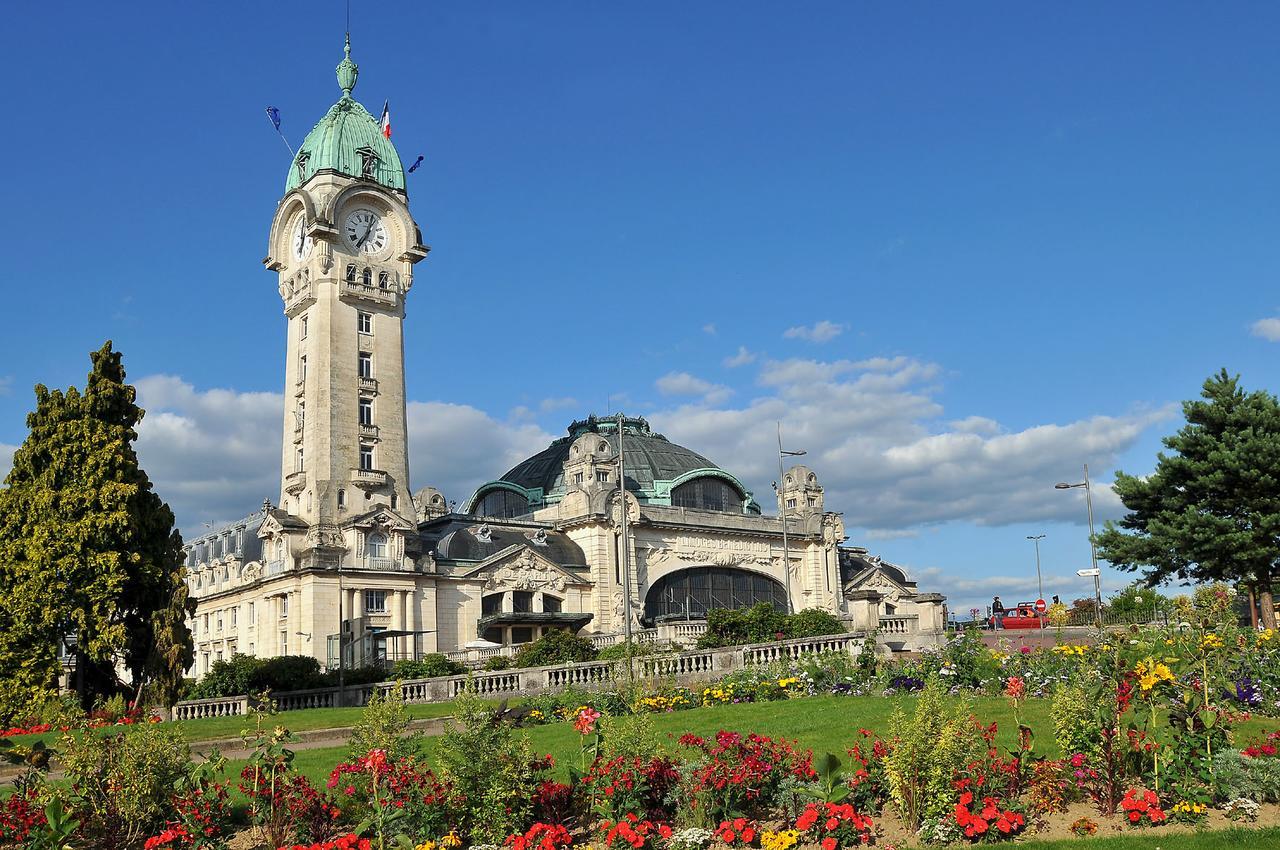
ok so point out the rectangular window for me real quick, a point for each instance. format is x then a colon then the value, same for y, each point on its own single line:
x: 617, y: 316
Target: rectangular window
x: 204, y: 624
x: 375, y: 602
x: 219, y: 621
x: 366, y: 457
x: 364, y: 322
x: 383, y: 279
x: 300, y: 464
x: 302, y: 369
x: 366, y: 411
x: 394, y: 502
x: 342, y: 498
x: 602, y: 476
x: 251, y: 649
x: 235, y: 615
x: 302, y: 328
x: 551, y: 604
x: 791, y: 503
x: 284, y: 643
x: 521, y: 634
x: 522, y: 601
x: 366, y: 364
x: 491, y: 604
x: 577, y: 478
x: 284, y: 607
x: 252, y: 618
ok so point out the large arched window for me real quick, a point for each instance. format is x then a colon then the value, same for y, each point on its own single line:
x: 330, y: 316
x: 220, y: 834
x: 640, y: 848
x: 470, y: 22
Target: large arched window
x: 708, y: 494
x: 376, y: 546
x: 691, y: 593
x: 502, y: 504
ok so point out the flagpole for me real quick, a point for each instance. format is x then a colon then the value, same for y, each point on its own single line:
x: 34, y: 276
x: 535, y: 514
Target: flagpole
x: 273, y: 115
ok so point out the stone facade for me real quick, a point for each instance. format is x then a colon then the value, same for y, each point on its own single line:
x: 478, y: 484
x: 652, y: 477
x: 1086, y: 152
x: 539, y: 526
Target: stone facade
x: 350, y: 559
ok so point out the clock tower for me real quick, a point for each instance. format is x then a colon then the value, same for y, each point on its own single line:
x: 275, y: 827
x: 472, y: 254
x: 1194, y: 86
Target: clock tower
x: 344, y: 246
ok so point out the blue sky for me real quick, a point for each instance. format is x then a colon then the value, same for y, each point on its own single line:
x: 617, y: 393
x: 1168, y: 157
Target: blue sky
x: 958, y: 250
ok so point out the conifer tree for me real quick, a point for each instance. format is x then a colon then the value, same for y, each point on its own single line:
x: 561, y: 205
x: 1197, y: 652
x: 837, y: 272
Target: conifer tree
x: 86, y: 546
x: 1211, y: 509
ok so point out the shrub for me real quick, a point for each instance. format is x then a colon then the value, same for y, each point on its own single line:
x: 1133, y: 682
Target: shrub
x: 492, y: 770
x: 813, y: 622
x: 929, y: 747
x: 428, y: 667
x: 288, y: 673
x: 394, y: 794
x: 358, y: 676
x: 1236, y: 775
x: 555, y: 647
x: 383, y: 725
x: 121, y: 783
x: 618, y: 651
x: 757, y: 624
x: 234, y: 676
x: 496, y: 662
x: 736, y: 775
x: 1075, y: 722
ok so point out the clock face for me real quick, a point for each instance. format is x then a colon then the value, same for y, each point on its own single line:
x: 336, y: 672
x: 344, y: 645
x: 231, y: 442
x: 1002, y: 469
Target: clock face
x: 300, y: 242
x: 365, y: 231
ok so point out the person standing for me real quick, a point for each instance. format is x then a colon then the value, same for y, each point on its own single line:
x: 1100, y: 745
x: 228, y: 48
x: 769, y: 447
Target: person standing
x: 997, y: 613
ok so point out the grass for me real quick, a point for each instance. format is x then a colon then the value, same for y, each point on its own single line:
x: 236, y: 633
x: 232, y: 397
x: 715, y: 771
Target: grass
x: 823, y: 724
x: 1222, y: 839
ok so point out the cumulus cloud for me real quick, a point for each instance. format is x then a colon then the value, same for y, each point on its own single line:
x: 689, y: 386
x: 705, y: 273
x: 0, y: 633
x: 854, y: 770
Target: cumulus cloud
x: 6, y: 459
x: 1268, y: 329
x: 684, y: 384
x: 822, y: 331
x: 742, y: 358
x: 875, y: 434
x: 214, y: 454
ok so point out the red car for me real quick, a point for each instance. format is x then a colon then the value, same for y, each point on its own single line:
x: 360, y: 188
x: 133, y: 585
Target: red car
x: 1023, y: 616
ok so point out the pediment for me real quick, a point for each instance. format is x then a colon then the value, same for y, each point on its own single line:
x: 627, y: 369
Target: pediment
x: 877, y: 579
x: 382, y: 519
x: 519, y: 567
x: 270, y: 526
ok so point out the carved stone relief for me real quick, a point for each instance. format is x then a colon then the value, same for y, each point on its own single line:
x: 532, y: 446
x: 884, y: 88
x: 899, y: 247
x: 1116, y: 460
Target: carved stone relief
x: 526, y: 572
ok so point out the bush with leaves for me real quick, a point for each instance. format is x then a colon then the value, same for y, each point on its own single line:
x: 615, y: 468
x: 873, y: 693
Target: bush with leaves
x: 121, y: 783
x: 383, y: 725
x: 496, y: 662
x: 555, y: 647
x: 491, y: 768
x: 428, y: 667
x: 929, y: 747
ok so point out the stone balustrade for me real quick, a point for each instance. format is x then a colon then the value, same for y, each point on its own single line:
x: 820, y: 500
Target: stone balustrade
x: 905, y: 624
x: 687, y: 668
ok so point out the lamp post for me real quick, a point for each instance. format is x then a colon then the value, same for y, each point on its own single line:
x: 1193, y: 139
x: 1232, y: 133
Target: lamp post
x: 622, y: 551
x: 1093, y: 549
x: 1039, y: 580
x: 782, y: 505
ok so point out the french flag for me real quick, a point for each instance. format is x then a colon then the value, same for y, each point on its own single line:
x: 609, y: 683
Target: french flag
x: 385, y: 121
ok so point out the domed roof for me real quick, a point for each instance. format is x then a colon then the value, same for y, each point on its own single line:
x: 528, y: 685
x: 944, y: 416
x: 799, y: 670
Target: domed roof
x: 653, y: 463
x: 345, y: 139
x: 467, y: 540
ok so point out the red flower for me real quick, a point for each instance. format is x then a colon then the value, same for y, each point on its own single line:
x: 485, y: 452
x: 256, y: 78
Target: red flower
x: 828, y: 843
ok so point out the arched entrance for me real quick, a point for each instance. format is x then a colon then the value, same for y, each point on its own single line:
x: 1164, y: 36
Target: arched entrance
x: 689, y: 594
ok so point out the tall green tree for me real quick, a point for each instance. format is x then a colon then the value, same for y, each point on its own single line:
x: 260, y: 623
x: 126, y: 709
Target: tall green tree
x: 87, y: 546
x: 1211, y: 509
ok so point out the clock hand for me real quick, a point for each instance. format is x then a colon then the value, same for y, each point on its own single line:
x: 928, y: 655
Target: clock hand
x: 364, y: 238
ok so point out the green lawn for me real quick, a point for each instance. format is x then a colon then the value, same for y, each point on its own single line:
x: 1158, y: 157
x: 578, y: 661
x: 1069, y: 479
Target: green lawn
x: 1223, y: 839
x: 823, y: 724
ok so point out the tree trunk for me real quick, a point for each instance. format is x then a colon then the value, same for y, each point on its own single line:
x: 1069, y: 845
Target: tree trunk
x: 1268, y: 607
x: 1253, y: 609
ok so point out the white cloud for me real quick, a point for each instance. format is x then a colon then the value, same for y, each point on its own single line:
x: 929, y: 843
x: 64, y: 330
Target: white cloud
x: 684, y: 384
x: 6, y: 459
x: 549, y: 405
x: 822, y: 331
x: 215, y: 454
x: 1268, y: 329
x: 964, y: 593
x: 709, y: 329
x: 742, y: 358
x: 875, y: 434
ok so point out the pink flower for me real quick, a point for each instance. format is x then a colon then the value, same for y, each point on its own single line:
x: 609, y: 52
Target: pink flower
x: 586, y: 721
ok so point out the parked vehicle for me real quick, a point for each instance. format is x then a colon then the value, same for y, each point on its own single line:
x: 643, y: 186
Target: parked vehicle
x: 1022, y: 616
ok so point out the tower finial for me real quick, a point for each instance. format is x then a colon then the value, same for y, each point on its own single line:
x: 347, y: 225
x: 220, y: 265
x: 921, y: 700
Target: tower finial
x: 348, y: 71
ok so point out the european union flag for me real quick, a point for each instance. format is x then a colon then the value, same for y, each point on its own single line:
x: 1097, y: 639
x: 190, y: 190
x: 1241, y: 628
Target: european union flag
x: 415, y: 165
x: 274, y: 115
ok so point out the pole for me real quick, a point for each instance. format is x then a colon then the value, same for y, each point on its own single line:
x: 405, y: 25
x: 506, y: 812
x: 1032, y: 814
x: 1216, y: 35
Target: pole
x: 1093, y: 548
x: 622, y: 552
x: 342, y: 664
x: 782, y: 513
x: 1039, y: 579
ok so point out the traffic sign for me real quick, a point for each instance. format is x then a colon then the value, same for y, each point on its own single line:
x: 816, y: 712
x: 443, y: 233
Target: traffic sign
x: 1041, y: 607
x: 1093, y: 572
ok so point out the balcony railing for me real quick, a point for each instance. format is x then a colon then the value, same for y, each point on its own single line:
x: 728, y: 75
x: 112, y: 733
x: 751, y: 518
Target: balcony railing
x: 369, y: 478
x: 295, y: 482
x: 368, y: 430
x: 369, y: 384
x: 382, y: 564
x: 354, y: 289
x: 274, y: 568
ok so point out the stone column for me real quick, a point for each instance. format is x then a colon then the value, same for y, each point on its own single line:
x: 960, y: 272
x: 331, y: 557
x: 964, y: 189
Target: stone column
x: 414, y: 625
x: 397, y: 622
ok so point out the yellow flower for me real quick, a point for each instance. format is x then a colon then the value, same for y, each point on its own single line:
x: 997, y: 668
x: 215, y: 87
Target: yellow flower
x: 1211, y: 641
x: 451, y: 840
x: 1068, y: 649
x: 1185, y: 807
x: 1151, y: 673
x: 1266, y: 635
x: 426, y: 845
x: 783, y: 840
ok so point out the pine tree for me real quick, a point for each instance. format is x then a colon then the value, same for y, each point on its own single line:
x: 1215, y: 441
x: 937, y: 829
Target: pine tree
x: 86, y: 546
x: 1211, y: 509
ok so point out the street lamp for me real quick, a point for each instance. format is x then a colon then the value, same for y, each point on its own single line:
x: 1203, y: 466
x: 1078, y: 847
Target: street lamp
x: 1093, y: 549
x: 1040, y: 581
x: 782, y: 504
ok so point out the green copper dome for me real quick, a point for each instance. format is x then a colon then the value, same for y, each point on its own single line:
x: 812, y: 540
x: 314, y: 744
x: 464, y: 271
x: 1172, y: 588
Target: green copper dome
x: 347, y: 140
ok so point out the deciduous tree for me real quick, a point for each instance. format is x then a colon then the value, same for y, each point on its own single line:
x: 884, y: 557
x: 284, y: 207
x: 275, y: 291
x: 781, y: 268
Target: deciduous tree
x: 1211, y: 509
